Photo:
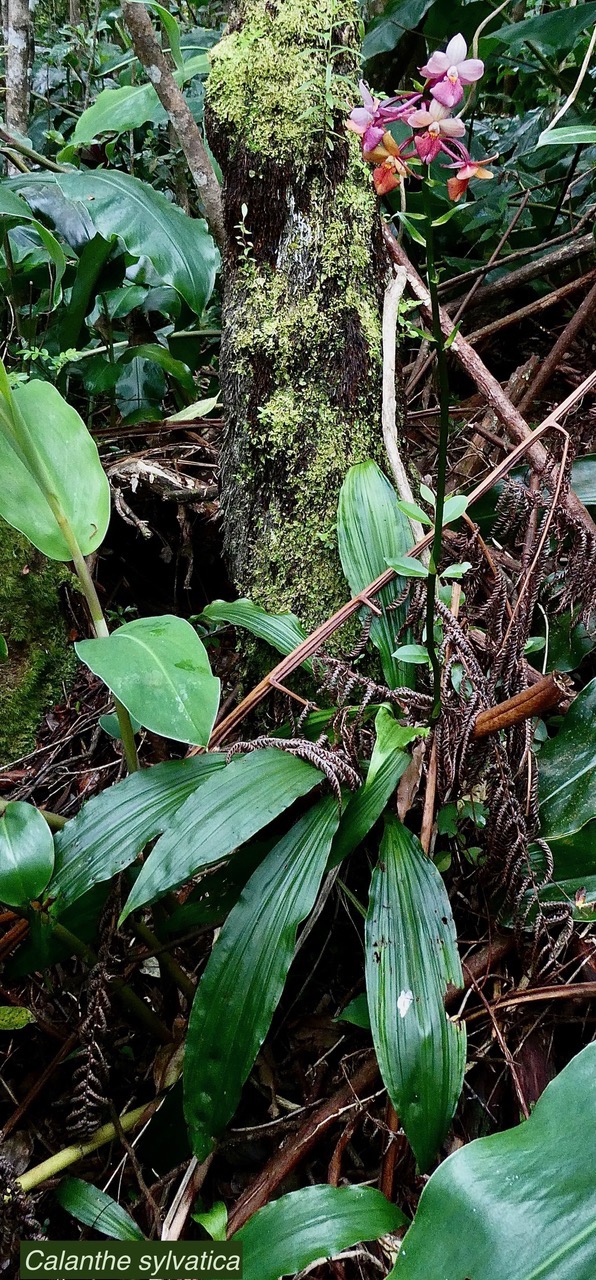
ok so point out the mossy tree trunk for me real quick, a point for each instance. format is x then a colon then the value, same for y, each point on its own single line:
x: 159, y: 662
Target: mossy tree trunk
x: 304, y: 278
x: 40, y: 658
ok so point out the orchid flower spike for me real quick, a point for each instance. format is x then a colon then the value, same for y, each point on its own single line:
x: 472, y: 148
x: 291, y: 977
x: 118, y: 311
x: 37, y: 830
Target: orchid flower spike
x: 466, y: 170
x: 437, y: 125
x: 371, y: 120
x: 451, y: 70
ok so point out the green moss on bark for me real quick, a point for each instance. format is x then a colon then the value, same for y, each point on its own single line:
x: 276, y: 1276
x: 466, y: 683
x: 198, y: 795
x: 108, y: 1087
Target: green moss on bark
x: 301, y: 348
x: 39, y: 655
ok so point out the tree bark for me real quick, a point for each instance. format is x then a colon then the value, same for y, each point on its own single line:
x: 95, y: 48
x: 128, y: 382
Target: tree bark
x: 304, y: 278
x: 18, y: 38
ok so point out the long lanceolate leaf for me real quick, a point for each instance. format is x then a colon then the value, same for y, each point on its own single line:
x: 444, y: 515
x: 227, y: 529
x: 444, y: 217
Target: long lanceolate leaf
x: 316, y: 1222
x: 389, y: 760
x: 95, y: 1209
x: 281, y: 630
x: 411, y: 956
x: 371, y: 530
x: 232, y: 807
x: 519, y: 1205
x: 245, y: 975
x: 113, y: 827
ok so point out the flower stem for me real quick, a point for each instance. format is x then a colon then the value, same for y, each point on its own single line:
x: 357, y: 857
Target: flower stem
x: 443, y: 389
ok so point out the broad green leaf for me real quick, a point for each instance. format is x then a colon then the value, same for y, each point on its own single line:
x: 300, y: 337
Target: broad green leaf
x: 121, y: 110
x: 454, y: 507
x: 214, y: 1220
x: 159, y: 669
x: 411, y: 956
x: 199, y: 409
x: 111, y: 724
x: 412, y: 509
x: 567, y: 770
x: 519, y: 1205
x: 457, y: 570
x: 230, y: 809
x: 281, y: 630
x: 573, y: 136
x: 408, y: 566
x: 93, y: 1207
x: 316, y: 1222
x: 398, y: 17
x: 575, y: 855
x: 180, y: 249
x: 113, y: 827
x: 246, y: 974
x: 371, y: 531
x: 15, y: 1017
x: 47, y: 455
x: 26, y: 854
x: 14, y: 210
x: 551, y: 31
x: 415, y: 653
x: 583, y: 479
x: 356, y: 1012
x: 389, y: 760
x: 163, y: 357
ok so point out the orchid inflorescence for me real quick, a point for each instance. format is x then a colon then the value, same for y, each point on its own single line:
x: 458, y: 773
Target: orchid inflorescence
x: 434, y: 129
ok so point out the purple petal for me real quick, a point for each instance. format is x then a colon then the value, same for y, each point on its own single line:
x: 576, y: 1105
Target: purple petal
x: 453, y: 128
x: 361, y: 118
x: 427, y: 147
x: 436, y: 66
x: 367, y: 97
x: 470, y: 70
x: 456, y: 50
x: 372, y: 137
x: 448, y: 93
x: 419, y: 120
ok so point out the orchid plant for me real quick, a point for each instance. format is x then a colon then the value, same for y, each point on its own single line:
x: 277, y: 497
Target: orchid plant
x: 434, y: 131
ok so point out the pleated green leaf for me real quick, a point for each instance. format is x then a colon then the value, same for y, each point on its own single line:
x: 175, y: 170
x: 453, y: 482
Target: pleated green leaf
x: 567, y: 771
x: 371, y: 530
x: 232, y: 807
x: 411, y: 956
x: 282, y: 631
x: 93, y: 1207
x: 316, y: 1222
x: 246, y: 972
x: 114, y: 826
x: 160, y: 670
x: 26, y: 854
x: 388, y: 762
x: 519, y: 1205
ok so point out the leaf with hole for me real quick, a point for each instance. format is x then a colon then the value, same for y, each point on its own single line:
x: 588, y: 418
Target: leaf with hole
x: 159, y: 669
x: 411, y: 955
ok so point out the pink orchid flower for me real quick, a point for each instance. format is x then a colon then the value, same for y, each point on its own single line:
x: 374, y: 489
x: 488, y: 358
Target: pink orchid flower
x: 371, y: 120
x: 451, y: 70
x: 437, y: 125
x: 466, y: 170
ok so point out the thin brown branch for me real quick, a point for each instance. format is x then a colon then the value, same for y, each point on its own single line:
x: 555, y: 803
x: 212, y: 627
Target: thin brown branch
x: 153, y: 59
x: 515, y: 425
x: 317, y: 638
x: 532, y: 308
x: 579, y: 319
x: 530, y: 271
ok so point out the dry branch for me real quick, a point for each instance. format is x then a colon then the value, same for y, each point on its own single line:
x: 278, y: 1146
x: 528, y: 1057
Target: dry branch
x: 153, y: 59
x: 540, y: 267
x: 515, y: 425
